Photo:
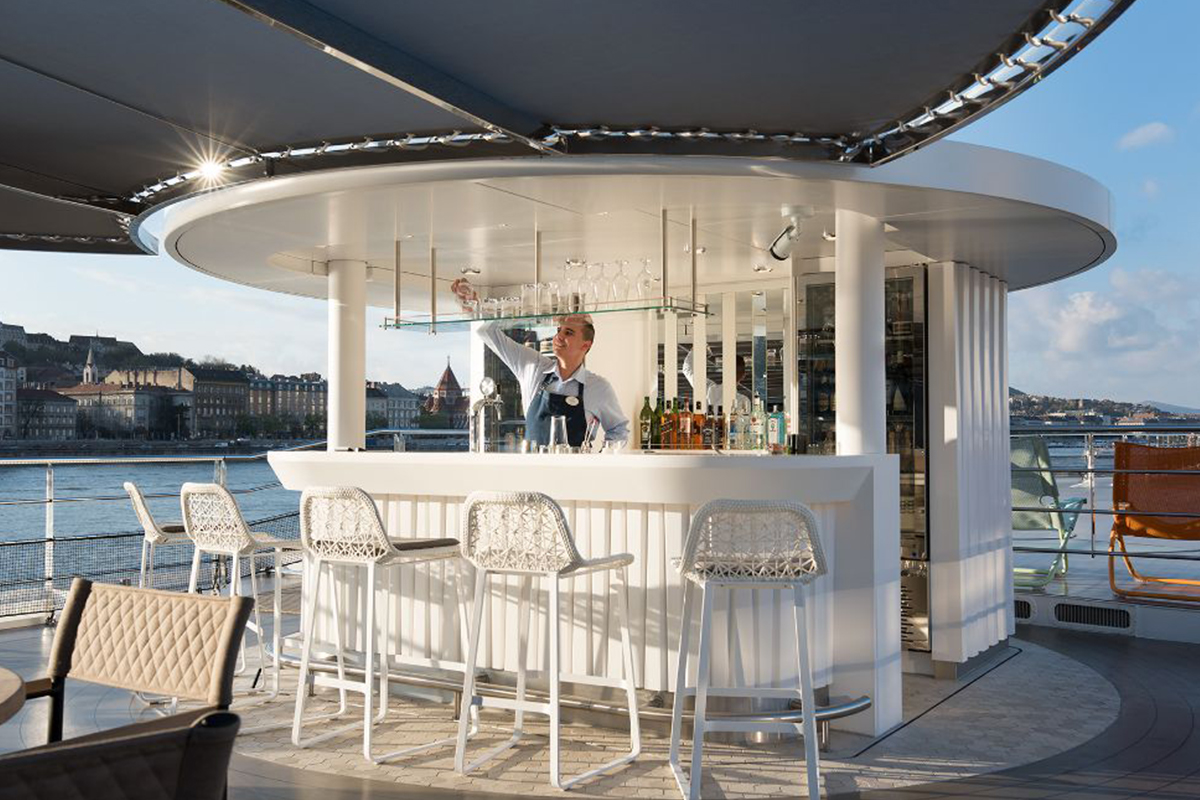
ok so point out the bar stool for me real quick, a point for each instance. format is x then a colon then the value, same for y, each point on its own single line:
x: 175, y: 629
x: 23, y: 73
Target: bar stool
x: 155, y: 534
x: 215, y: 525
x: 742, y: 544
x: 340, y: 526
x: 526, y: 534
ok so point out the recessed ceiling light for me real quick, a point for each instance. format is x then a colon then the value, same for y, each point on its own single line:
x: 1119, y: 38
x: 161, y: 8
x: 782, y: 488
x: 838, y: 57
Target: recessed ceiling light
x: 687, y: 248
x: 763, y: 268
x: 470, y: 270
x: 602, y: 214
x: 408, y: 236
x: 503, y: 225
x: 829, y: 237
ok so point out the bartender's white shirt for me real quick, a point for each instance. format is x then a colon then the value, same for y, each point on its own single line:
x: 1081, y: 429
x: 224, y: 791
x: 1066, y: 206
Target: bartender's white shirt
x: 531, y: 367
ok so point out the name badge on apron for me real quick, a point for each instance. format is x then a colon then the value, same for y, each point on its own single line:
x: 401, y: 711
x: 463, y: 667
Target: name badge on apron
x: 572, y: 400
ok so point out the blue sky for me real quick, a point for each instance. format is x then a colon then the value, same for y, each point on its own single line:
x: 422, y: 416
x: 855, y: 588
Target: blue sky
x: 1125, y: 111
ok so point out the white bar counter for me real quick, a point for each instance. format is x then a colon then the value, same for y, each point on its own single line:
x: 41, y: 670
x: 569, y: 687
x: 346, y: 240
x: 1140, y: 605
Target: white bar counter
x: 641, y: 503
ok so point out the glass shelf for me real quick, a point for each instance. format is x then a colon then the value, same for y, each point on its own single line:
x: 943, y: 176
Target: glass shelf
x: 662, y: 305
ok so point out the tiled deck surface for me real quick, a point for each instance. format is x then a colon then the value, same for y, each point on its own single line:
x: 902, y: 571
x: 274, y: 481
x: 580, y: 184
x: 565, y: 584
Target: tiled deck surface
x: 1033, y: 705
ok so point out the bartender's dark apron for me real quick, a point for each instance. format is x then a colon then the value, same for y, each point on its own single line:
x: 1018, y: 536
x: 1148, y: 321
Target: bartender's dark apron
x: 545, y: 405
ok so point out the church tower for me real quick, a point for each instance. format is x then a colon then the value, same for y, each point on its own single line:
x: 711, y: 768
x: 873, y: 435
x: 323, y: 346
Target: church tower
x: 89, y: 369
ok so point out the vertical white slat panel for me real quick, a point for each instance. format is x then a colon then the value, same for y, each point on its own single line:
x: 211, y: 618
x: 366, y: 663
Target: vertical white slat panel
x: 980, y: 599
x: 821, y: 601
x: 575, y: 657
x: 613, y: 662
x: 676, y: 520
x: 965, y: 418
x: 1001, y: 523
x: 602, y: 609
x: 943, y: 490
x: 637, y: 525
x: 657, y: 609
x: 422, y: 600
x: 1005, y: 425
x: 986, y: 462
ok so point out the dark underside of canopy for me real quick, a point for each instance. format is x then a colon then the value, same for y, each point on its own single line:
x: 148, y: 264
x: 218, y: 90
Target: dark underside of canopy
x: 103, y: 100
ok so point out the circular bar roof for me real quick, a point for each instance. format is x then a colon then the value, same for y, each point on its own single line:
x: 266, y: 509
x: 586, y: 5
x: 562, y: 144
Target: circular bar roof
x: 113, y: 108
x: 1024, y: 220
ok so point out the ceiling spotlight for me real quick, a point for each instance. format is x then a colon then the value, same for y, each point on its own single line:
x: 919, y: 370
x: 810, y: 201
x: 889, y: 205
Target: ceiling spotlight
x: 829, y: 237
x: 760, y: 268
x: 408, y: 236
x: 687, y: 248
x: 470, y: 270
x: 211, y: 170
x: 781, y: 248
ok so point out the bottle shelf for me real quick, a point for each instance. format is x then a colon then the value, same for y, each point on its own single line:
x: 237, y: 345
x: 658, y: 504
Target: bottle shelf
x: 662, y: 305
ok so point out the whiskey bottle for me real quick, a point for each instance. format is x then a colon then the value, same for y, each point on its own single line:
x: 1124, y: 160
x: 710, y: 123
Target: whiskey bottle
x: 646, y: 423
x: 656, y: 425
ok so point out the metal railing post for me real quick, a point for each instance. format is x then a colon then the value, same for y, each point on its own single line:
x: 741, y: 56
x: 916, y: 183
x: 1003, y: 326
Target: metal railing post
x: 1091, y: 485
x: 48, y: 560
x: 220, y: 472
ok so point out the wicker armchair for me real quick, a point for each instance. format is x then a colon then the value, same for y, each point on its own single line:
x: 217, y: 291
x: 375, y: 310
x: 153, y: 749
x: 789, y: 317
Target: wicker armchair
x: 526, y: 534
x: 143, y: 640
x: 744, y: 544
x: 189, y: 760
x: 215, y: 525
x: 341, y: 526
x: 155, y: 534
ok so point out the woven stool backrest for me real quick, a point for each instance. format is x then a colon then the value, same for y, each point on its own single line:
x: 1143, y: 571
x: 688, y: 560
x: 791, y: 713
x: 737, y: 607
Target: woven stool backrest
x: 517, y: 532
x: 212, y: 520
x: 341, y: 523
x: 154, y: 534
x: 751, y: 541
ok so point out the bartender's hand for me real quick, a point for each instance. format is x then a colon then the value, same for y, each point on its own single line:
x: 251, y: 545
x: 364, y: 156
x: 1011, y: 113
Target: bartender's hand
x: 466, y: 294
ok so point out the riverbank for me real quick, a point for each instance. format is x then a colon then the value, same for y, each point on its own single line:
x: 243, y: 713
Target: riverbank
x: 85, y: 448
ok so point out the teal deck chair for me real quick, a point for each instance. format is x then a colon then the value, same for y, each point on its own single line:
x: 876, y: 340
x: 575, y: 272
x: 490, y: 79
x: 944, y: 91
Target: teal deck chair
x: 1038, y: 489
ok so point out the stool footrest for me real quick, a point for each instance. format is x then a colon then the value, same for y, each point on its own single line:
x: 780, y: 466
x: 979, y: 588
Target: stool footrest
x: 511, y: 704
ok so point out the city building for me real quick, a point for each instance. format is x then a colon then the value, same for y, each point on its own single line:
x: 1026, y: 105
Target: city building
x: 449, y: 398
x: 45, y: 414
x: 48, y: 378
x: 220, y: 395
x: 101, y: 344
x: 376, y: 407
x: 8, y: 396
x: 106, y: 410
x: 11, y: 333
x: 403, y: 406
x: 293, y: 401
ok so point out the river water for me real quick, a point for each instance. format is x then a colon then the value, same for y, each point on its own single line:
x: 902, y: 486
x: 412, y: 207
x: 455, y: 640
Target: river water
x: 117, y: 516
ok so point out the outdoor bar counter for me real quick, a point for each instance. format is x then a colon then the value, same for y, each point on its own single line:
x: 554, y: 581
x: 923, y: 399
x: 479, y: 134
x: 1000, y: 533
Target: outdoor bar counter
x: 641, y: 503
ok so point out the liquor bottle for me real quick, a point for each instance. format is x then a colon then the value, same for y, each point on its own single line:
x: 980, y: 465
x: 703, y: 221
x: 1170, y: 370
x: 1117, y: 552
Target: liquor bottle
x: 733, y: 430
x: 646, y: 421
x: 669, y: 426
x: 656, y: 425
x: 697, y: 442
x: 776, y: 432
x: 703, y: 428
x: 758, y: 439
x: 683, y: 428
x: 718, y: 425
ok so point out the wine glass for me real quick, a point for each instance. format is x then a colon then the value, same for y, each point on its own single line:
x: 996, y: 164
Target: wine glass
x: 645, y: 281
x: 596, y: 287
x: 620, y: 283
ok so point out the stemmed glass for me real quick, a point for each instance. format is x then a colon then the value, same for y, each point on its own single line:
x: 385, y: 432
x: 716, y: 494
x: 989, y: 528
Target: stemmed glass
x: 571, y: 300
x: 645, y: 281
x: 619, y: 285
x: 597, y: 292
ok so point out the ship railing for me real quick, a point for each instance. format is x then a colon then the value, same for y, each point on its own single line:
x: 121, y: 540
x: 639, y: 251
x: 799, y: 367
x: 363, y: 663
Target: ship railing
x: 36, y: 569
x: 1096, y: 442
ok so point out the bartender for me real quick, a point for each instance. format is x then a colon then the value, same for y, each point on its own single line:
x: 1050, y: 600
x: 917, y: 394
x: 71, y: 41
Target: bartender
x: 558, y: 386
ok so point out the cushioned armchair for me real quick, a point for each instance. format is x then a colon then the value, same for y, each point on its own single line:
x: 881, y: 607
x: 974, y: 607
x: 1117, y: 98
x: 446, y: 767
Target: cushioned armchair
x: 165, y: 643
x: 184, y: 760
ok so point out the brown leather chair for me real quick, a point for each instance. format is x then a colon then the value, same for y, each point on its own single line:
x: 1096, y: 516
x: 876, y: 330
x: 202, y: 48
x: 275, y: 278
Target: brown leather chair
x: 186, y: 760
x: 164, y: 643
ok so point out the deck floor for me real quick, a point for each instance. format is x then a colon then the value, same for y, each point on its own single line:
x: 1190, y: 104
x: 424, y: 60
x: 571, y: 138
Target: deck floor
x: 1140, y: 742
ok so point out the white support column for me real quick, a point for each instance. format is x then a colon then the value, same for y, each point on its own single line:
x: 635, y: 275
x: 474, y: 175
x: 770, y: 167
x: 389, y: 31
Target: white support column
x: 859, y: 337
x: 347, y: 416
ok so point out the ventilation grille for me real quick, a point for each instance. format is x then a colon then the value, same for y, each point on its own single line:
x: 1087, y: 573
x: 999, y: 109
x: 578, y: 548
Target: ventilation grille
x: 1098, y: 616
x: 1022, y: 609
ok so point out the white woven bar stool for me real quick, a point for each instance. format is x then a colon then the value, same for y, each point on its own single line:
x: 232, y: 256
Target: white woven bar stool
x: 155, y: 536
x: 526, y: 534
x: 340, y: 526
x: 742, y: 544
x: 215, y: 525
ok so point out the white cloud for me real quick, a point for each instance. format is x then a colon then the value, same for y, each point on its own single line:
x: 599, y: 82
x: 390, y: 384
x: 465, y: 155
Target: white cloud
x: 1145, y: 135
x: 1132, y: 340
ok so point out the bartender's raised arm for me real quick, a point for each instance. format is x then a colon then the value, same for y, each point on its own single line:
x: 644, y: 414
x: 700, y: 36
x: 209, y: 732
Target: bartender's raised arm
x: 517, y: 357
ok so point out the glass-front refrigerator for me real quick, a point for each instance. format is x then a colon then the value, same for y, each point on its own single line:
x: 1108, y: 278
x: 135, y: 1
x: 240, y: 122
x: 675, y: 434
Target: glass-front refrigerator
x: 906, y: 414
